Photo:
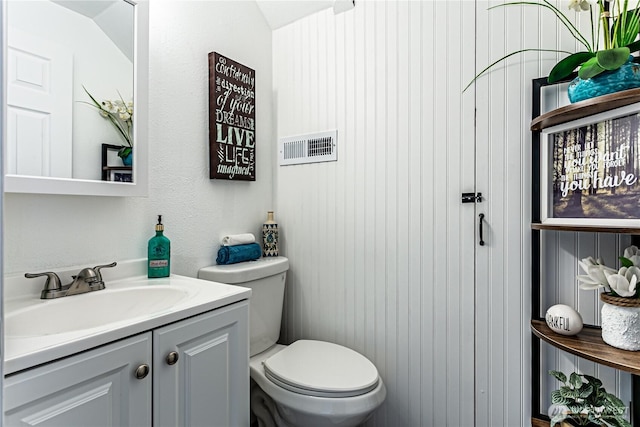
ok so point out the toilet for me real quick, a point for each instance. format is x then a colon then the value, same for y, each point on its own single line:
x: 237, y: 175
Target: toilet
x: 308, y: 383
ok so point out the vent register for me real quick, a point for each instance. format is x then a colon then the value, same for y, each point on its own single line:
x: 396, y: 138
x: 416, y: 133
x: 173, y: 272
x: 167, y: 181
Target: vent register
x: 310, y: 148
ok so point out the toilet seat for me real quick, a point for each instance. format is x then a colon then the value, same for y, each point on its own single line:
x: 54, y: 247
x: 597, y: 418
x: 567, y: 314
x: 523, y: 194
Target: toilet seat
x: 321, y: 369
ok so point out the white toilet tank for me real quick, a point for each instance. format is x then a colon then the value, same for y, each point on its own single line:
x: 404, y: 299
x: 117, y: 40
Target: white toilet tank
x: 266, y: 277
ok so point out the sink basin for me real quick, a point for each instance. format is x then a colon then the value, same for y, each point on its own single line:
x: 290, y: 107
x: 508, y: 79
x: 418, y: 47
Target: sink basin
x: 37, y: 331
x: 91, y: 310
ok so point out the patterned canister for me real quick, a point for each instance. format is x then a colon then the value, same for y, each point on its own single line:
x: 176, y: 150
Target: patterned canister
x: 270, y: 236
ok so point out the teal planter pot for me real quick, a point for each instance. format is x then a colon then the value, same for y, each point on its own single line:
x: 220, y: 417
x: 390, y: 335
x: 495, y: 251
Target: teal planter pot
x: 625, y: 77
x: 128, y: 160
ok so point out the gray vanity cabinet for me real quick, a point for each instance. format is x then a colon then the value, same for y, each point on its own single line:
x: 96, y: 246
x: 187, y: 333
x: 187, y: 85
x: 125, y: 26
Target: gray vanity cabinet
x: 199, y: 377
x: 95, y: 388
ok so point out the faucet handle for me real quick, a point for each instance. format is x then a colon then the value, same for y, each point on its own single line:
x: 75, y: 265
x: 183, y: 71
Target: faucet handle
x: 97, y: 269
x: 52, y: 283
x: 86, y: 274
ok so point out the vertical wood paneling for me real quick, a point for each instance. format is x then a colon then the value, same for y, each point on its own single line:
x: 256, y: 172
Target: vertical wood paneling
x: 429, y: 159
x: 492, y: 298
x: 370, y: 150
x: 415, y: 210
x: 390, y: 327
x: 503, y: 171
x: 359, y: 178
x: 401, y: 142
x: 381, y: 195
x: 375, y: 258
x: 342, y: 172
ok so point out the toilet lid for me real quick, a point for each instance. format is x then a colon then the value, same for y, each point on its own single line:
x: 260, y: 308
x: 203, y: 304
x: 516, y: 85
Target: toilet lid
x: 318, y: 368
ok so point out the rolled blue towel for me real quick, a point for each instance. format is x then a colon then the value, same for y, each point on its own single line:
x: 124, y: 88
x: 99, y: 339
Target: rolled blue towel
x: 238, y: 253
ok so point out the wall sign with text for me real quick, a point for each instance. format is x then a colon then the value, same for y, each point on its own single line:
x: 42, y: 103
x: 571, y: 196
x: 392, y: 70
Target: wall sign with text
x: 590, y: 169
x: 232, y: 119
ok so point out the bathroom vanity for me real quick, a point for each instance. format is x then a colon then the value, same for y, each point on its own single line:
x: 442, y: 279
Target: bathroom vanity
x: 180, y: 358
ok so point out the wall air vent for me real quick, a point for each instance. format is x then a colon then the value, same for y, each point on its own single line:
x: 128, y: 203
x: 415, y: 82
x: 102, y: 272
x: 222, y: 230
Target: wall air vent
x: 311, y: 148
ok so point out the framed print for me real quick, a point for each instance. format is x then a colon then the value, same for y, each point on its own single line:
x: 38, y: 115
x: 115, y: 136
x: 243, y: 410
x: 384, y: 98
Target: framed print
x: 590, y: 168
x: 120, y: 176
x: 232, y: 119
x: 113, y: 168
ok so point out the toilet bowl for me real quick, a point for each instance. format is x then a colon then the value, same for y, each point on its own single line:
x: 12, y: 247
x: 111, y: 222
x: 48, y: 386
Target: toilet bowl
x: 314, y: 406
x: 308, y: 383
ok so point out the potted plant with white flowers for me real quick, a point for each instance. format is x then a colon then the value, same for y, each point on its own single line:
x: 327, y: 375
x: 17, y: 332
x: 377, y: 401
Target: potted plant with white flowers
x: 120, y: 114
x: 620, y: 315
x: 603, y: 60
x: 582, y: 401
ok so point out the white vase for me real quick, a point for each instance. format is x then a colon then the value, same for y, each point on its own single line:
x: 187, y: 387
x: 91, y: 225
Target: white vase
x: 621, y: 326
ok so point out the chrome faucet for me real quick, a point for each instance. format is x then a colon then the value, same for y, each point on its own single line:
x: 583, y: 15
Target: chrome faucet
x: 87, y: 280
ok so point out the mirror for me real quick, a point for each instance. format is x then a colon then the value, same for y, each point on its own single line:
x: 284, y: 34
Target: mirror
x: 62, y: 59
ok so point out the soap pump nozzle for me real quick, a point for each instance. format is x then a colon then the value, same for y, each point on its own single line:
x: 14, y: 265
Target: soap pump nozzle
x: 159, y: 226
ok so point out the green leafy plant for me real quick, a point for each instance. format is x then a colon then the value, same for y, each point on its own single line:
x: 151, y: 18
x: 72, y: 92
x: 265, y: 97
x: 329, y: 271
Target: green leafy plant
x: 585, y: 401
x: 614, y: 22
x: 120, y: 115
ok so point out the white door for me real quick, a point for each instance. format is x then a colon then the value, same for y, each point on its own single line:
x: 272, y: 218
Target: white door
x: 503, y: 175
x: 201, y: 373
x: 96, y: 388
x: 39, y: 110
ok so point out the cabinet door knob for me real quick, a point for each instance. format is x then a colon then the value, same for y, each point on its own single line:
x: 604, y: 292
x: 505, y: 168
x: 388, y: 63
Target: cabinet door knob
x: 142, y: 371
x: 172, y: 358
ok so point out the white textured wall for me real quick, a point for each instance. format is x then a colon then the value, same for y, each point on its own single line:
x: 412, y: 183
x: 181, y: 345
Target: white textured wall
x: 381, y: 250
x: 49, y: 232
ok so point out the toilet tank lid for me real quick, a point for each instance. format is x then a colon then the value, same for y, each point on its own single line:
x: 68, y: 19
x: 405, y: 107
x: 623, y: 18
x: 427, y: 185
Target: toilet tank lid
x: 245, y: 271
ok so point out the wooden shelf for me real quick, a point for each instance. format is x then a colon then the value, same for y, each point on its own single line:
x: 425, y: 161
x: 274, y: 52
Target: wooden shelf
x: 585, y: 228
x: 585, y: 108
x: 588, y: 344
x: 108, y: 170
x: 538, y: 422
x: 117, y: 168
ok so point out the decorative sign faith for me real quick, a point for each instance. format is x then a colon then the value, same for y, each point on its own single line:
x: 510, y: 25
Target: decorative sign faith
x: 232, y: 118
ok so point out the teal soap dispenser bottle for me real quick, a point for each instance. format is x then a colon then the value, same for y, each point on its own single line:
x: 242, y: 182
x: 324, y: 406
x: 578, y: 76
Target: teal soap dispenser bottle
x: 159, y: 253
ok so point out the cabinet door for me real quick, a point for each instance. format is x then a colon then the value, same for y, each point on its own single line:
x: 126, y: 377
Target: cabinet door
x: 208, y: 385
x: 95, y: 388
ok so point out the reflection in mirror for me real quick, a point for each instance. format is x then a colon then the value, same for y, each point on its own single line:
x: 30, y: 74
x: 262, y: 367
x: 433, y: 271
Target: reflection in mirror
x: 86, y: 171
x: 55, y: 50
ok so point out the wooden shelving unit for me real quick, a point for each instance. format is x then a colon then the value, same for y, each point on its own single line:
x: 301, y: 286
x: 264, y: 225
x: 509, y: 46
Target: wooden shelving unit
x: 585, y: 108
x: 109, y: 170
x: 585, y: 228
x: 588, y: 344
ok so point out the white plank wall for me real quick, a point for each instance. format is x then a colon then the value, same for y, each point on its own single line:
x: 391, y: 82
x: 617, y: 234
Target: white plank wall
x: 384, y: 257
x: 381, y: 250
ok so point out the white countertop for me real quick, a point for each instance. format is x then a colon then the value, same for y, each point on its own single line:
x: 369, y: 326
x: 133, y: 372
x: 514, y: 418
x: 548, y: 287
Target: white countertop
x: 22, y: 352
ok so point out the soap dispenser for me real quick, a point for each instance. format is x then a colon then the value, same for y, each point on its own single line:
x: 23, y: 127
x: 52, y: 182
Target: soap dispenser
x: 159, y: 253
